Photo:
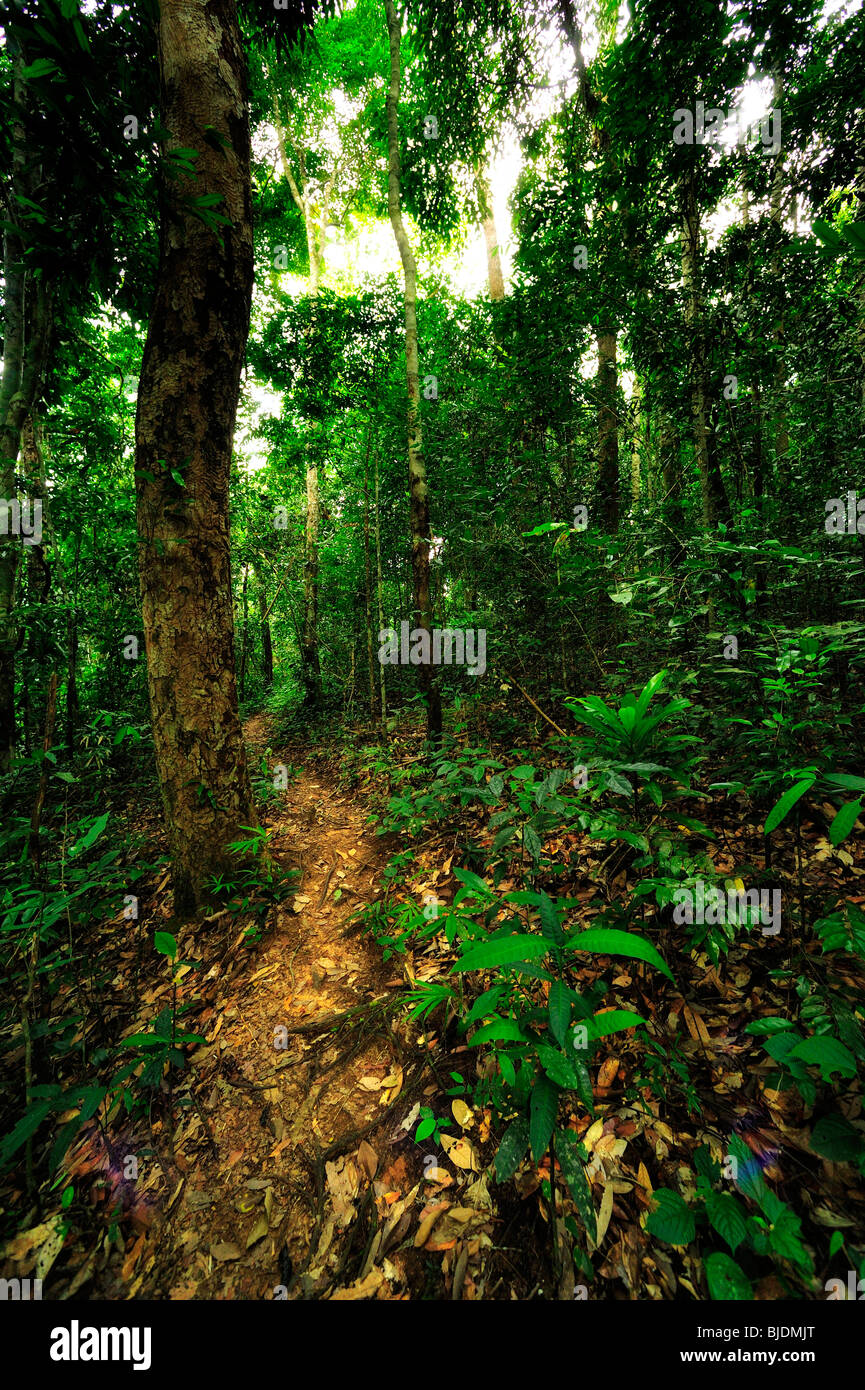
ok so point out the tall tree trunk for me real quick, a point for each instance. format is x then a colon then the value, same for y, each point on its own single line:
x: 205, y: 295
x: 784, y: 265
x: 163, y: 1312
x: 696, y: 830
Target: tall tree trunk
x: 606, y: 379
x: 266, y: 639
x: 309, y: 655
x: 713, y: 494
x: 26, y: 334
x: 419, y: 521
x: 367, y: 581
x: 378, y: 589
x: 608, y: 429
x: 671, y: 475
x: 311, y: 668
x: 187, y: 402
x: 488, y: 223
x: 776, y: 209
x: 244, y: 634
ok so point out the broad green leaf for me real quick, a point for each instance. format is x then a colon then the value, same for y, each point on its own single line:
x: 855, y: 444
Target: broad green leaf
x: 500, y: 1030
x: 505, y: 950
x: 727, y: 1282
x: 609, y: 941
x: 844, y: 821
x: 786, y: 803
x: 559, y: 1008
x: 828, y: 1054
x: 613, y: 1021
x: 512, y: 1149
x: 727, y: 1217
x: 542, y: 1115
x: 768, y: 1025
x: 570, y: 1154
x: 671, y: 1220
x: 550, y: 924
x: 835, y: 1138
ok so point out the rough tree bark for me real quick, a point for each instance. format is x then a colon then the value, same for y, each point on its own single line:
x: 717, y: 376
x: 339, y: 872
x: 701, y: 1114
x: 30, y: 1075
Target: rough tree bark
x: 187, y: 402
x: 419, y: 520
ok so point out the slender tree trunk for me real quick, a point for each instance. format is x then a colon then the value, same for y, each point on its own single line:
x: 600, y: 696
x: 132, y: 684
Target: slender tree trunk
x: 714, y: 497
x: 488, y: 223
x: 419, y: 520
x: 26, y: 334
x: 266, y: 639
x: 606, y: 379
x: 776, y: 209
x: 671, y: 475
x: 636, y: 444
x: 378, y: 589
x: 309, y: 648
x: 187, y: 402
x: 367, y: 582
x: 244, y: 635
x: 606, y: 383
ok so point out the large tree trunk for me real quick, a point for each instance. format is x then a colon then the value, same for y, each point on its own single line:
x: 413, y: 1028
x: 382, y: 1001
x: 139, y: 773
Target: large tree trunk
x: 26, y: 333
x: 419, y: 521
x: 187, y: 400
x: 714, y: 497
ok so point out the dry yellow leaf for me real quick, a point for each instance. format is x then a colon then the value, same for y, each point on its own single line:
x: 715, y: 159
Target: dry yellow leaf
x: 604, y: 1214
x: 462, y: 1114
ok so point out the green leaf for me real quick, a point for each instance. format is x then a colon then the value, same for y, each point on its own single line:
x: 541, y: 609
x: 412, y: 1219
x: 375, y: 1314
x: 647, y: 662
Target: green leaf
x: 727, y: 1282
x: 569, y: 1152
x: 500, y: 1030
x: 608, y: 941
x: 425, y: 1128
x: 504, y: 950
x: 510, y: 1152
x: 727, y: 1218
x: 559, y: 1008
x: 828, y: 1054
x: 835, y: 1138
x: 531, y: 843
x: 558, y: 1067
x: 671, y: 1220
x: 768, y: 1025
x: 613, y: 1021
x: 26, y: 1126
x: 844, y: 821
x: 542, y: 1115
x: 786, y: 804
x: 550, y: 923
x: 92, y: 835
x: 476, y: 885
x: 165, y: 943
x: 827, y: 234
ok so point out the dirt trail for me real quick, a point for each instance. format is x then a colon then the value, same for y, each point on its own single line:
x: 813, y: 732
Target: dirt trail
x: 261, y: 1195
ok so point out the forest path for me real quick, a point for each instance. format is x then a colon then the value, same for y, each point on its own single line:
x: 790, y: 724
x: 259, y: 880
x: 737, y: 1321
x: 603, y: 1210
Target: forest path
x: 285, y: 1094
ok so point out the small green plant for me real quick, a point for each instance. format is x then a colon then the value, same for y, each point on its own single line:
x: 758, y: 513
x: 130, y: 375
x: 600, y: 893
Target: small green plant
x: 772, y: 1230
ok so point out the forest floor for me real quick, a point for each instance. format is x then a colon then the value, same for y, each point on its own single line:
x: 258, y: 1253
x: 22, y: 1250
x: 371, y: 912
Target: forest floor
x: 285, y: 1166
x: 292, y: 1172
